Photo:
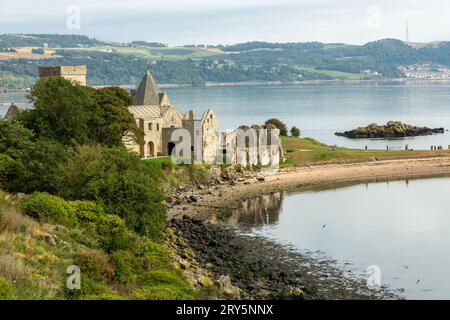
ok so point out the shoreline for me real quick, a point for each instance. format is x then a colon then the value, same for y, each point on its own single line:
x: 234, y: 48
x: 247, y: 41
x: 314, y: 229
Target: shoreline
x: 220, y: 253
x: 270, y: 83
x: 202, y: 200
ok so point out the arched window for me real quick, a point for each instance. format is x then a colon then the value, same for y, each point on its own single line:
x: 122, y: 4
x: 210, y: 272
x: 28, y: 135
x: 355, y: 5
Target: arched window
x: 150, y: 126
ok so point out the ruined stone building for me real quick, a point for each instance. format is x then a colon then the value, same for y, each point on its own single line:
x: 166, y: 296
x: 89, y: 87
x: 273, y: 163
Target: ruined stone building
x: 76, y: 74
x: 165, y: 128
x: 160, y: 121
x: 158, y: 118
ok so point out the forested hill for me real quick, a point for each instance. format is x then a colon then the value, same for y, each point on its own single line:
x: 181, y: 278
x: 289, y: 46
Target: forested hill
x: 113, y: 63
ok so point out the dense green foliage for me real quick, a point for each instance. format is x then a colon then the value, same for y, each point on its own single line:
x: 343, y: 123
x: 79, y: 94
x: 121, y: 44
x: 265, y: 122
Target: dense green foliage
x: 295, y: 132
x: 73, y: 114
x: 89, y: 202
x: 280, y: 125
x: 120, y: 181
x: 47, y: 208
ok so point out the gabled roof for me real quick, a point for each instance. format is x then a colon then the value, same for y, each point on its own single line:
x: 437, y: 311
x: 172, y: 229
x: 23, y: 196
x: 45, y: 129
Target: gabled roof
x: 165, y: 109
x: 144, y: 112
x: 147, y: 92
x: 12, y: 111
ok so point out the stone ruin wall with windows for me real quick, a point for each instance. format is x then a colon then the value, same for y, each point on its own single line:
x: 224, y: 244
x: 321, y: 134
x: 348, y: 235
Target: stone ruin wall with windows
x: 159, y: 119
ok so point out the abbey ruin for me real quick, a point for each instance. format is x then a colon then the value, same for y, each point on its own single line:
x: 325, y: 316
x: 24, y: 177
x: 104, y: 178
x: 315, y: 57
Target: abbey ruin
x: 167, y: 129
x: 185, y: 137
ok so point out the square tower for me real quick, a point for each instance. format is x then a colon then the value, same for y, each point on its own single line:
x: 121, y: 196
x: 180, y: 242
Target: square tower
x: 76, y: 74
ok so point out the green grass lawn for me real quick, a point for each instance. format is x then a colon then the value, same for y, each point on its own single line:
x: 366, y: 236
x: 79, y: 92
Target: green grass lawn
x: 300, y: 151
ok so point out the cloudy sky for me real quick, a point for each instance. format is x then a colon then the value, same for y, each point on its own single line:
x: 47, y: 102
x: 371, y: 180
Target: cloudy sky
x: 178, y: 22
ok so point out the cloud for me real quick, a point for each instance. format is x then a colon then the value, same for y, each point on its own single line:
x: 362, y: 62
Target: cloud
x: 231, y: 21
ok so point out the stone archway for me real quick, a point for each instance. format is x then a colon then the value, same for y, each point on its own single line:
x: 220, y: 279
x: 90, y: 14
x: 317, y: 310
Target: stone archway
x: 151, y: 149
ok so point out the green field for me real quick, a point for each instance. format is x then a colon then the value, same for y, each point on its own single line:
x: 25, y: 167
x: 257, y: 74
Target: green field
x: 300, y: 151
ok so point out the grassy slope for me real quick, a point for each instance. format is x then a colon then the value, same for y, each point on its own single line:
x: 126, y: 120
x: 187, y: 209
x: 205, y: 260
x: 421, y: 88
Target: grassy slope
x: 32, y: 267
x: 306, y: 151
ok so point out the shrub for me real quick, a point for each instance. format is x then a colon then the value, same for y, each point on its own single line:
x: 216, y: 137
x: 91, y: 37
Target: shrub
x: 109, y: 230
x: 295, y: 132
x: 5, y: 289
x: 96, y: 272
x: 114, y: 234
x: 45, y: 207
x: 121, y: 182
x: 125, y: 266
x: 152, y: 255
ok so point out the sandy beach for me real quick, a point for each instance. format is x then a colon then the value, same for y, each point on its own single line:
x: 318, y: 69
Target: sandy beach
x: 224, y: 193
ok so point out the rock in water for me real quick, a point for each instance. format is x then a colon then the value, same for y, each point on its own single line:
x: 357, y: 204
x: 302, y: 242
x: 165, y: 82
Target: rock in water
x: 393, y: 129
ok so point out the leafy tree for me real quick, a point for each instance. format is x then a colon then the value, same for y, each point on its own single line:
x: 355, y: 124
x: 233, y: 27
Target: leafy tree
x: 279, y: 125
x: 295, y: 132
x: 61, y: 111
x: 72, y: 114
x: 14, y: 138
x: 111, y: 120
x: 119, y: 180
x: 41, y: 166
x: 11, y: 172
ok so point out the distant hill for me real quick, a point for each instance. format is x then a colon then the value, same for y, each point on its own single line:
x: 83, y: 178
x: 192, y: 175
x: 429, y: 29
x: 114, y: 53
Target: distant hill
x: 124, y: 63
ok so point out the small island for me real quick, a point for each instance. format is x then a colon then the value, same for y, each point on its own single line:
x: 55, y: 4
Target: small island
x: 393, y: 129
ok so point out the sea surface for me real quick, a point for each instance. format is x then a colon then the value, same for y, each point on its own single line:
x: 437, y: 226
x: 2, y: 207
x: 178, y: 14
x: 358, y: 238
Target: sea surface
x: 397, y: 231
x: 320, y: 110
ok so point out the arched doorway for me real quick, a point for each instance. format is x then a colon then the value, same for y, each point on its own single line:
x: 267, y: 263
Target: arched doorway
x: 151, y: 149
x: 170, y: 148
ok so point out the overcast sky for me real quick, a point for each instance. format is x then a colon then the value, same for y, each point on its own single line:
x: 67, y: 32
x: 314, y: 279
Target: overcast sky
x: 178, y: 22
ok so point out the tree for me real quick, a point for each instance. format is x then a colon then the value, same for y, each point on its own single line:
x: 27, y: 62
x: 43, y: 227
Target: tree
x: 75, y: 115
x: 119, y: 180
x: 279, y: 125
x: 41, y: 164
x: 14, y: 138
x: 111, y: 121
x: 295, y: 132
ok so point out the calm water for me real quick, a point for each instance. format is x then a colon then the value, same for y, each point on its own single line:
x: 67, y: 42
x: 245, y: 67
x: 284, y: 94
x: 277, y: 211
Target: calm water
x: 321, y: 110
x: 391, y: 225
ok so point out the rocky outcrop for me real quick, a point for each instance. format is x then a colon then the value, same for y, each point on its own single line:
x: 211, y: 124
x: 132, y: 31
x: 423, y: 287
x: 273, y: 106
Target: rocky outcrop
x: 393, y: 129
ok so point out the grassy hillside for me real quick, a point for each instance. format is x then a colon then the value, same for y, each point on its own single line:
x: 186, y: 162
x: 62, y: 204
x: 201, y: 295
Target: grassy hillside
x: 117, y: 63
x: 34, y: 257
x: 300, y: 151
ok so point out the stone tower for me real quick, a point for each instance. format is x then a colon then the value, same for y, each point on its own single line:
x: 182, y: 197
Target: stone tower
x: 76, y: 74
x: 148, y: 93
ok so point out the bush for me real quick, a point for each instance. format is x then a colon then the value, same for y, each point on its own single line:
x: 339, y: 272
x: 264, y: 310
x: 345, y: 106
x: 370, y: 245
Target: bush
x: 121, y: 182
x: 109, y: 230
x: 152, y: 255
x: 96, y: 272
x: 125, y: 266
x: 295, y: 132
x: 5, y: 289
x: 47, y: 208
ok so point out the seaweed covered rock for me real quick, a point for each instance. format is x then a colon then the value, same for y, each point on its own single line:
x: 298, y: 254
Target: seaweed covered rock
x: 392, y: 129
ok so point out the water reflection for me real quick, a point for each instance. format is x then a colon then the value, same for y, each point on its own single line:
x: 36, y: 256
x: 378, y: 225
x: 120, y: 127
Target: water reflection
x: 260, y: 210
x: 391, y: 224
